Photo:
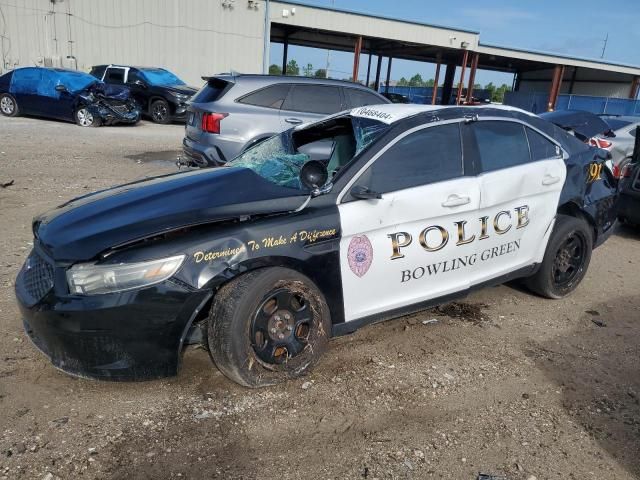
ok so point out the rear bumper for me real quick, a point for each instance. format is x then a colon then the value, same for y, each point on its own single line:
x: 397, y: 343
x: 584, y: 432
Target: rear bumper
x: 202, y: 156
x: 134, y: 335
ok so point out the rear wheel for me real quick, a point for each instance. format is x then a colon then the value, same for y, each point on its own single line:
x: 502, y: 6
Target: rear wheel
x: 8, y: 105
x: 160, y: 112
x: 85, y: 118
x: 267, y: 326
x: 566, y: 259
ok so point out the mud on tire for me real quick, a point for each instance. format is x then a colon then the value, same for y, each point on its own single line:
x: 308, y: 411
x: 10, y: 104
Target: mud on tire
x: 267, y: 326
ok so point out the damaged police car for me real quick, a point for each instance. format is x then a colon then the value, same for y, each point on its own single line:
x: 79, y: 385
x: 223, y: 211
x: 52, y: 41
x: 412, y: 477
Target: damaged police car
x: 266, y: 258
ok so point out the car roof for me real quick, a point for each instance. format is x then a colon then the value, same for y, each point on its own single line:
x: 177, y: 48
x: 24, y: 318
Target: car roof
x: 394, y: 112
x: 259, y: 78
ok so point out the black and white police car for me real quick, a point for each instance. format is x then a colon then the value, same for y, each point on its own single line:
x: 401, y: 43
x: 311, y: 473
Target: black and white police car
x: 266, y: 258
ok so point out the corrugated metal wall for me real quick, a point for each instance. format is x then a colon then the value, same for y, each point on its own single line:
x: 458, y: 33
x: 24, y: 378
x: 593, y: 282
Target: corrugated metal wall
x: 189, y: 37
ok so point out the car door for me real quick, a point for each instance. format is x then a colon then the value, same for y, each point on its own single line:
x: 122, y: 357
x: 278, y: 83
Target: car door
x: 307, y: 103
x: 52, y: 102
x: 138, y: 86
x: 404, y: 248
x: 115, y: 75
x: 24, y: 86
x: 521, y: 174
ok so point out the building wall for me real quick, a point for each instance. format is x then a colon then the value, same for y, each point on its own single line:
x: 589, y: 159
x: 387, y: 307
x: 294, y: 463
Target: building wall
x: 192, y: 38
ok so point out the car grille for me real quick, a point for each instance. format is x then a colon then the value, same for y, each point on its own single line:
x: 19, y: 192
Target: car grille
x: 37, y: 278
x: 120, y: 109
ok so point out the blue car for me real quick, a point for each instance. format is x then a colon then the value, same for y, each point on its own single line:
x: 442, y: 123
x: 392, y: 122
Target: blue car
x: 65, y: 95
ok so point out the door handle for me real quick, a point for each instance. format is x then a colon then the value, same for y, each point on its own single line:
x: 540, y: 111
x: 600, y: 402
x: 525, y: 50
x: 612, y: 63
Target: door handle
x: 293, y: 121
x: 550, y: 179
x: 455, y: 201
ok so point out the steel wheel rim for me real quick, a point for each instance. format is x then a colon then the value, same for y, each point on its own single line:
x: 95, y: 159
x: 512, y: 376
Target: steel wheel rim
x: 159, y: 111
x: 281, y: 326
x: 7, y: 105
x: 569, y: 260
x: 85, y: 118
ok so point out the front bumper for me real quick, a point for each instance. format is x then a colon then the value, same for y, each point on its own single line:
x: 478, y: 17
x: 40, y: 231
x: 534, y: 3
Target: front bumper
x: 134, y: 335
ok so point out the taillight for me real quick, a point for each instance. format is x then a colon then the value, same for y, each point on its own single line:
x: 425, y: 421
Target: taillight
x: 211, y: 122
x: 599, y: 142
x: 616, y: 171
x: 625, y: 172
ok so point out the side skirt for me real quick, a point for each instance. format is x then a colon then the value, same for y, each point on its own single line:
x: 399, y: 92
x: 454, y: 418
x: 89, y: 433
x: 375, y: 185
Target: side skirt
x: 346, y: 328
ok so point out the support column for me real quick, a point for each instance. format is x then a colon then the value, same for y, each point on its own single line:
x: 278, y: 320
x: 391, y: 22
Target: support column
x: 285, y: 53
x: 635, y: 85
x: 356, y: 59
x: 368, y: 69
x: 472, y: 76
x: 386, y: 88
x: 447, y: 88
x: 434, y: 95
x: 556, y: 83
x: 376, y: 85
x: 465, y: 59
x: 573, y: 80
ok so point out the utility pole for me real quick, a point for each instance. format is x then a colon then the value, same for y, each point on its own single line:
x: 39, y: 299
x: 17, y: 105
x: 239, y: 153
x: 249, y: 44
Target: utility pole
x: 604, y: 46
x: 326, y: 70
x: 266, y: 39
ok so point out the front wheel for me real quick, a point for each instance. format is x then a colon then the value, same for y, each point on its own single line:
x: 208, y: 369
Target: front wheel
x: 267, y: 326
x: 8, y: 105
x: 160, y: 112
x: 566, y: 259
x: 85, y: 118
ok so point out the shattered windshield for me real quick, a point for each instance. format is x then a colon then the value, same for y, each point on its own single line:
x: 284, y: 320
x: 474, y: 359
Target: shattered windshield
x: 160, y: 77
x: 280, y: 158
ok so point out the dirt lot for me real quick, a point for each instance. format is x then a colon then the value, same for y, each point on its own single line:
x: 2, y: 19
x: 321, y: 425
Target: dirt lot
x: 519, y: 386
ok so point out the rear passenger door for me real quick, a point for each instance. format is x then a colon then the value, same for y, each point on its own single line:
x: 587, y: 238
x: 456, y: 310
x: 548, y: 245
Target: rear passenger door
x: 521, y: 174
x: 307, y: 103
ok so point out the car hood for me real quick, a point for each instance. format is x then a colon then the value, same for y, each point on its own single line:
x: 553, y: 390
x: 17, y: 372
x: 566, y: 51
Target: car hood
x: 110, y: 92
x: 86, y: 226
x: 182, y: 89
x: 586, y: 124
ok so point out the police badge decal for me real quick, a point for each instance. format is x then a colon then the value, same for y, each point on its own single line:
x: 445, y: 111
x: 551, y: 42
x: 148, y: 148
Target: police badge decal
x: 360, y: 255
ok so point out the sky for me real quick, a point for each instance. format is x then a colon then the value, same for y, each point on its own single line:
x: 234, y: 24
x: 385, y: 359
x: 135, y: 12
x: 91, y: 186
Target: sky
x: 571, y: 27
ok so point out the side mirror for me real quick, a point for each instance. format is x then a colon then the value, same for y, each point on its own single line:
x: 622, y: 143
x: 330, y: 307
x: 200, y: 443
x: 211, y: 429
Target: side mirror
x: 363, y: 193
x: 140, y: 83
x: 313, y: 174
x: 61, y: 88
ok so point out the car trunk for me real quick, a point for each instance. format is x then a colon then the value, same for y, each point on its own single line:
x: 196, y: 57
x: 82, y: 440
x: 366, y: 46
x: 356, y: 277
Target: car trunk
x: 204, y: 102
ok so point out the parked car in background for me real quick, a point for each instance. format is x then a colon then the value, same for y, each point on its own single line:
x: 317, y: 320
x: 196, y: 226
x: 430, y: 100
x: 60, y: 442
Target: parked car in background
x: 585, y: 126
x: 621, y: 143
x: 65, y: 95
x: 263, y: 260
x: 161, y: 94
x: 232, y: 113
x: 396, y: 97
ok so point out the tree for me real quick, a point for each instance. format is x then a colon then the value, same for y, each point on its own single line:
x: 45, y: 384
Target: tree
x: 275, y: 70
x: 308, y: 70
x: 403, y: 82
x: 293, y: 68
x: 320, y: 73
x: 416, y: 81
x: 430, y: 83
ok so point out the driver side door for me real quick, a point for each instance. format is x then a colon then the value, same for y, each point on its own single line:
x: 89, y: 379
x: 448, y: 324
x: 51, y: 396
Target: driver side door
x: 414, y: 243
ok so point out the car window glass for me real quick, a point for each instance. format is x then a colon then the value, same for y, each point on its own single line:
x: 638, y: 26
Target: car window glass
x: 270, y: 97
x: 541, y: 148
x: 48, y: 82
x: 115, y: 75
x: 360, y: 98
x: 313, y: 99
x: 98, y: 71
x: 500, y: 144
x: 427, y: 156
x: 26, y: 81
x: 134, y: 76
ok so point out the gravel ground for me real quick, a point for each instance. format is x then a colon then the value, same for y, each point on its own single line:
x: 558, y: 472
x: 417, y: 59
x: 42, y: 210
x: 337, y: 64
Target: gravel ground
x: 505, y: 383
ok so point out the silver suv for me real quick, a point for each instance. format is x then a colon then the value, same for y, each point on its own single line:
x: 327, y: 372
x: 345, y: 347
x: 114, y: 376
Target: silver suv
x: 232, y: 113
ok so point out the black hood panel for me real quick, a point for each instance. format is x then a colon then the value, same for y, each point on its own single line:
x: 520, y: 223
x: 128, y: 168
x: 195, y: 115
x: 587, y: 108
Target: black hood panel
x: 86, y: 226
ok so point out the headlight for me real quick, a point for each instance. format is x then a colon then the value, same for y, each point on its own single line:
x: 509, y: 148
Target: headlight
x: 92, y: 279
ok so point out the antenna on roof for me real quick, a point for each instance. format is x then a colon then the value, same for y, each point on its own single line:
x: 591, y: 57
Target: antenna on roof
x: 604, y: 46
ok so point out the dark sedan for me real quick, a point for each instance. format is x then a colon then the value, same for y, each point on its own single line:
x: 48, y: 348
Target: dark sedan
x: 162, y: 95
x: 65, y: 95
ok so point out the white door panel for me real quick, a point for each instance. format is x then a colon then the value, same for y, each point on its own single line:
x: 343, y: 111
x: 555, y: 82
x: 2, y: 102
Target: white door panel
x: 521, y: 204
x: 429, y: 256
